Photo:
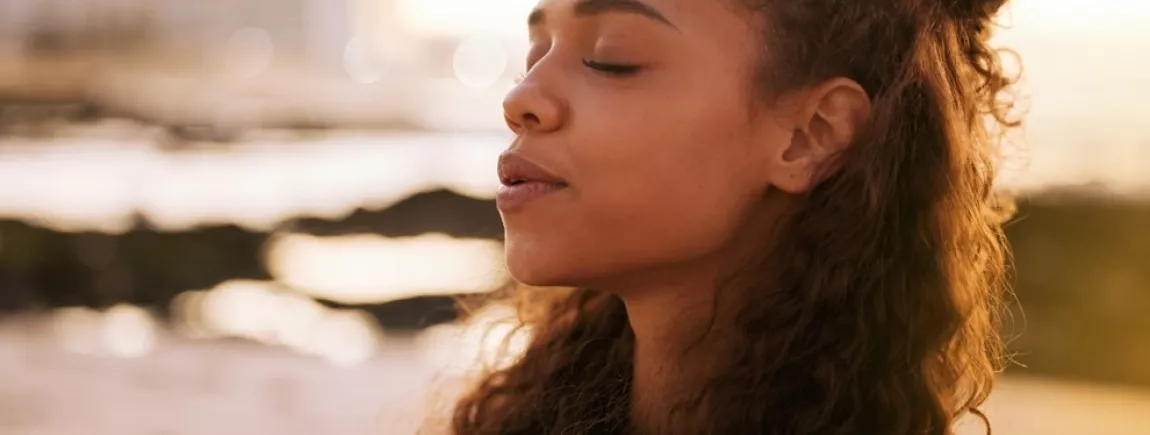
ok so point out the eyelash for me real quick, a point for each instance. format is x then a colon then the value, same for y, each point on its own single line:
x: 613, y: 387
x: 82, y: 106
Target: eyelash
x: 606, y: 68
x: 611, y: 69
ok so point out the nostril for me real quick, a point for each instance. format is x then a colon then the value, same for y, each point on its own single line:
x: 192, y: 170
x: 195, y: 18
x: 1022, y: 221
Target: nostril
x: 522, y: 121
x: 513, y: 122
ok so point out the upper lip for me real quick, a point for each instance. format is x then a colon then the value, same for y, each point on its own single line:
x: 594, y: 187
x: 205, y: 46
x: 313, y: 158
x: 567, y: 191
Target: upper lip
x: 515, y: 168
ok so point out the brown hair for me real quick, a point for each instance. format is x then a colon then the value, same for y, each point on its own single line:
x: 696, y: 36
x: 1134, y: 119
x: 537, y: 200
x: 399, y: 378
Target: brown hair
x: 883, y: 323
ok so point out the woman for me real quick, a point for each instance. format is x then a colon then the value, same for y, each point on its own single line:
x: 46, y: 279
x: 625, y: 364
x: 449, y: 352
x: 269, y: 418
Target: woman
x: 778, y: 217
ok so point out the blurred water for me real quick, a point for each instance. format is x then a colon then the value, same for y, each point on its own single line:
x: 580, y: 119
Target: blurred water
x: 195, y: 387
x: 82, y: 181
x: 192, y: 387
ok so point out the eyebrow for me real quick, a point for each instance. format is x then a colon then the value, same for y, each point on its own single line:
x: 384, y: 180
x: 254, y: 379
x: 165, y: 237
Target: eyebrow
x: 585, y: 8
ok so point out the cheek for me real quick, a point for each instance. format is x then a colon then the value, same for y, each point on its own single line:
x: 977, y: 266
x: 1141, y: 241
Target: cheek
x: 671, y: 207
x: 635, y: 220
x: 646, y: 196
x: 679, y: 181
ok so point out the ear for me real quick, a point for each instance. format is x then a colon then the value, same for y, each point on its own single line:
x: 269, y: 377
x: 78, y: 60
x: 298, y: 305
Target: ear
x: 829, y: 118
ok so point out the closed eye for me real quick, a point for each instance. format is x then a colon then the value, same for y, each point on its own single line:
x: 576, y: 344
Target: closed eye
x: 612, y: 68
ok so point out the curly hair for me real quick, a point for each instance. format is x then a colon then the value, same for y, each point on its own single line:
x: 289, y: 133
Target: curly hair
x: 877, y: 309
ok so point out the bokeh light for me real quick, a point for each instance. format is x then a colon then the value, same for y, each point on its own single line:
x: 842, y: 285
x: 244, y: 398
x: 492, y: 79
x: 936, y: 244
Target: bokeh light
x: 129, y: 332
x: 103, y: 185
x: 480, y: 61
x: 249, y: 52
x: 363, y: 64
x: 369, y: 269
x: 269, y: 313
x: 490, y: 339
x: 121, y: 331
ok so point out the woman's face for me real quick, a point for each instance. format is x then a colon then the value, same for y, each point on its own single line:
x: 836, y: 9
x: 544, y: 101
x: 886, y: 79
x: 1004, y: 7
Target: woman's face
x: 635, y: 148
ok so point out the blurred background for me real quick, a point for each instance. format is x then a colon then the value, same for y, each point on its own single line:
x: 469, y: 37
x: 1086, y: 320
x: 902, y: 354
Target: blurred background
x: 252, y: 216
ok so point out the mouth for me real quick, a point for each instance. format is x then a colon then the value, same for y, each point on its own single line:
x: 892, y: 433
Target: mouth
x: 515, y: 195
x: 515, y: 170
x: 524, y: 182
x: 513, y: 182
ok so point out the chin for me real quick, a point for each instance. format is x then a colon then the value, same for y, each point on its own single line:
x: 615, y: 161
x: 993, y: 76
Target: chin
x: 546, y: 265
x: 563, y: 269
x: 540, y: 272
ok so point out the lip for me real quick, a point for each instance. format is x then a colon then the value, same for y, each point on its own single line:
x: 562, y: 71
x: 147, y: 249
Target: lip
x: 523, y: 181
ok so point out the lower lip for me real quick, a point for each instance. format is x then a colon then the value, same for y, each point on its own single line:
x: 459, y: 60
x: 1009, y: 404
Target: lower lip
x: 514, y: 197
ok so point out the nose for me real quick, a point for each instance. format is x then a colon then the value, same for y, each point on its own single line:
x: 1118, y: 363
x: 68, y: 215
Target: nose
x: 529, y: 108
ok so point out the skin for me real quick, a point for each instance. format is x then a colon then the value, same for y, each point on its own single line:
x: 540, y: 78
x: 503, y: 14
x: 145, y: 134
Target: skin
x: 672, y: 180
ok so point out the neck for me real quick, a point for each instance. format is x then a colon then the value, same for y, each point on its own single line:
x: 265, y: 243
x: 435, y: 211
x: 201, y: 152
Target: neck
x: 677, y: 319
x: 671, y: 325
x: 672, y: 319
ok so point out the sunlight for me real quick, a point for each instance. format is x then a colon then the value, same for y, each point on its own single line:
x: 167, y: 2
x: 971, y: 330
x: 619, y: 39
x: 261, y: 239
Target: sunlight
x: 122, y: 331
x: 489, y: 339
x: 271, y: 314
x: 103, y: 184
x: 1079, y: 20
x: 374, y: 269
x: 129, y: 332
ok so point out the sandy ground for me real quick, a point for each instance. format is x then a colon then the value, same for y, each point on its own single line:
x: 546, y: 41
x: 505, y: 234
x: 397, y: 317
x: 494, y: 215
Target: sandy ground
x: 190, y: 387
